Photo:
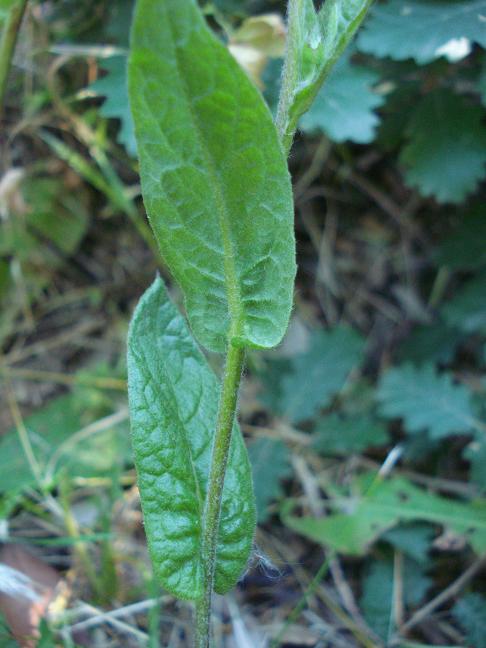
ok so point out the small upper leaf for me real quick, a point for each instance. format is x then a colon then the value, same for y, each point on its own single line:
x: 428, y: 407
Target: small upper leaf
x: 173, y: 396
x: 426, y: 400
x: 316, y: 40
x: 446, y: 153
x: 214, y: 178
x: 422, y: 29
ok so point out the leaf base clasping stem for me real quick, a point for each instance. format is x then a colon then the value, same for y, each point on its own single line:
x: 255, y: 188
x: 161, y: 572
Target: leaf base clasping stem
x: 226, y: 416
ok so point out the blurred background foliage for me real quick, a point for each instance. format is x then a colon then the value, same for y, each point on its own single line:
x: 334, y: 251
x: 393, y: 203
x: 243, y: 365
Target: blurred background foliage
x: 366, y: 428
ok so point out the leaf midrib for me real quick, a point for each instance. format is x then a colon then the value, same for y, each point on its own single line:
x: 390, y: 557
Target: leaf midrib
x: 161, y: 366
x: 231, y: 277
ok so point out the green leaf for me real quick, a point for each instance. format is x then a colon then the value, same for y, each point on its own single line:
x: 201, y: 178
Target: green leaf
x: 270, y: 462
x: 375, y: 505
x: 117, y: 27
x: 470, y: 614
x: 475, y: 453
x: 316, y: 40
x: 422, y: 29
x: 113, y: 86
x: 482, y: 83
x: 464, y: 248
x: 52, y: 435
x: 5, y: 5
x: 377, y: 599
x: 6, y: 639
x: 52, y: 228
x: 173, y: 396
x: 445, y: 155
x: 431, y: 343
x: 214, y: 179
x: 344, y: 107
x: 414, y: 540
x: 47, y: 637
x: 271, y: 78
x: 313, y: 378
x: 426, y: 400
x: 337, y: 435
x: 466, y: 311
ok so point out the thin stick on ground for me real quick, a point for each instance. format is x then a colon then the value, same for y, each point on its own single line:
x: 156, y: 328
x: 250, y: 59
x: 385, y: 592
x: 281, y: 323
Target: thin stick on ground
x: 453, y: 589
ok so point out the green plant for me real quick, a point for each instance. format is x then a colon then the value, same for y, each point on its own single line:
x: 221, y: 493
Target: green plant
x: 217, y: 192
x: 11, y: 13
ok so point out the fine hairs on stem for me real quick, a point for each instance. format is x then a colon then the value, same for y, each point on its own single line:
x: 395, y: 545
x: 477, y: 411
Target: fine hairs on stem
x: 212, y: 510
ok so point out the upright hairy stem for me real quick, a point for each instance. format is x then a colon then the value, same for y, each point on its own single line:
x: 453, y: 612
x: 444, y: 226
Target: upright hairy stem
x: 226, y: 416
x: 7, y: 44
x: 289, y: 78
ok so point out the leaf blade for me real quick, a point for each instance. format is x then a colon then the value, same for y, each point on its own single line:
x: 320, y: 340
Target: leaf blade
x: 113, y: 87
x: 173, y: 399
x: 215, y: 182
x: 445, y: 156
x: 376, y: 505
x: 426, y: 400
x: 344, y: 109
x: 316, y: 41
x: 420, y: 29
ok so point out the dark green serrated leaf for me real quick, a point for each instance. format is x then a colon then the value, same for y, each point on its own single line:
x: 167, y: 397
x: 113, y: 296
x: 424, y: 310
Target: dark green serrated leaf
x: 316, y: 40
x: 420, y: 29
x: 466, y: 311
x: 475, y: 453
x: 375, y: 505
x: 271, y: 78
x: 344, y: 109
x: 445, y: 156
x: 414, y: 540
x: 470, y: 614
x: 314, y: 377
x: 270, y: 462
x: 464, y: 248
x: 426, y: 401
x: 377, y: 598
x: 173, y: 396
x: 113, y: 86
x: 431, y: 343
x: 482, y: 83
x: 214, y: 178
x: 119, y: 19
x: 335, y: 434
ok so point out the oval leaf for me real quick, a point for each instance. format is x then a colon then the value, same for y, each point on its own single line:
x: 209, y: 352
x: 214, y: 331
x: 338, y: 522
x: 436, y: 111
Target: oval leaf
x: 173, y: 396
x: 214, y: 178
x: 315, y: 42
